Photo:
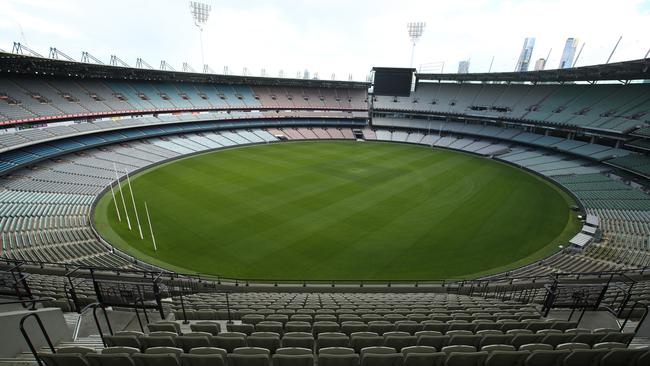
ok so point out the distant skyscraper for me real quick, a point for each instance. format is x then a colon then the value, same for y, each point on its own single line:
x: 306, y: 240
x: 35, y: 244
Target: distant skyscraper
x: 305, y: 75
x: 569, y: 53
x: 463, y: 67
x: 526, y: 53
x: 539, y: 64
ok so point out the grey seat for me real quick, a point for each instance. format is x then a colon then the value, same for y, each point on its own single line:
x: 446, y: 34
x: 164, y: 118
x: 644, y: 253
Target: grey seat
x: 498, y: 347
x: 293, y: 351
x: 164, y: 326
x: 163, y: 359
x: 298, y: 339
x: 208, y: 327
x: 110, y: 359
x: 425, y: 359
x: 572, y: 346
x: 418, y: 349
x: 466, y: 358
x: 209, y: 351
x: 399, y: 340
x: 381, y: 350
x: 164, y: 350
x: 506, y: 358
x: 536, y: 347
x: 247, y: 360
x: 193, y: 340
x: 385, y: 359
x: 252, y: 351
x: 490, y: 339
x: 269, y: 326
x: 122, y: 341
x: 297, y: 326
x: 158, y: 340
x: 609, y: 345
x: 361, y: 340
x: 622, y: 357
x: 588, y: 338
x: 458, y: 348
x: 246, y: 329
x: 466, y: 339
x: 268, y: 340
x: 332, y: 339
x: 193, y: 359
x: 229, y: 340
x: 350, y: 359
x: 252, y: 319
x: 127, y: 350
x: 324, y: 327
x: 349, y: 327
x: 554, y: 339
x: 65, y: 359
x: 380, y: 326
x: 546, y: 358
x: 336, y: 351
x: 580, y: 357
x: 521, y: 339
x: 624, y: 338
x: 293, y: 360
x: 409, y: 326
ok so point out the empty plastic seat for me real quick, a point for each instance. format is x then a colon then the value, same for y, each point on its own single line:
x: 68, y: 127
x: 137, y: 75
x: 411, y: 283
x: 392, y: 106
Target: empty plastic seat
x: 241, y: 328
x: 268, y: 340
x: 63, y: 359
x: 437, y: 341
x: 252, y: 351
x: 297, y: 326
x: 252, y: 319
x: 361, y: 340
x: 298, y: 339
x: 324, y: 327
x: 110, y: 359
x: 409, y: 326
x: 498, y: 347
x: 399, y: 340
x: 164, y: 326
x: 332, y: 339
x: 506, y: 358
x: 572, y: 346
x: 425, y: 359
x: 458, y: 348
x: 229, y: 340
x: 466, y: 339
x: 418, y: 349
x: 580, y: 357
x: 193, y: 340
x: 609, y: 345
x: 248, y: 360
x: 380, y: 327
x: 208, y: 327
x: 622, y: 357
x: 293, y: 360
x: 163, y: 359
x: 466, y: 358
x: 349, y: 327
x: 336, y: 351
x: 122, y: 341
x: 127, y: 350
x: 350, y: 359
x: 546, y: 358
x: 293, y: 351
x: 269, y: 326
x: 158, y: 339
x: 388, y: 359
x: 194, y: 359
x: 536, y: 347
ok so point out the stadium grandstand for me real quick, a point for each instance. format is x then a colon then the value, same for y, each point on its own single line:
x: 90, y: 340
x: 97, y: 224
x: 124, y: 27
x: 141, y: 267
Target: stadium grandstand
x: 73, y: 133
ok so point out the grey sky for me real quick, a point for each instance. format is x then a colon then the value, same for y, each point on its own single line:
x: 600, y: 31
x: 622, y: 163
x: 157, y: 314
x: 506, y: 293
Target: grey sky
x: 328, y: 37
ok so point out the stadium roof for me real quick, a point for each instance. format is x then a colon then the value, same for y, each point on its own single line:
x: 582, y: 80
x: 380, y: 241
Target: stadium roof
x: 622, y: 71
x: 11, y: 63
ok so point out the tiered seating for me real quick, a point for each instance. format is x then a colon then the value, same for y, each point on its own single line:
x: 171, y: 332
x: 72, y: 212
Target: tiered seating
x: 47, y: 98
x: 342, y: 329
x: 619, y: 108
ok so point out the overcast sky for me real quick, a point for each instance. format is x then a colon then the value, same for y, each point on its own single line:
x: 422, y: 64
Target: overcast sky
x: 332, y: 36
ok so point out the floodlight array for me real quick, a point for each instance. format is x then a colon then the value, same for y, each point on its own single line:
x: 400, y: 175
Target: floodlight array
x: 200, y: 12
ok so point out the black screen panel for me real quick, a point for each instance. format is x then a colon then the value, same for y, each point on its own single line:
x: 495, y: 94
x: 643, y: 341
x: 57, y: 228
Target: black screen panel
x: 393, y: 81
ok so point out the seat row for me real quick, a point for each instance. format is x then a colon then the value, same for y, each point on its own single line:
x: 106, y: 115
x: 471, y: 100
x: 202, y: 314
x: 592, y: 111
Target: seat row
x: 357, y: 341
x: 572, y: 355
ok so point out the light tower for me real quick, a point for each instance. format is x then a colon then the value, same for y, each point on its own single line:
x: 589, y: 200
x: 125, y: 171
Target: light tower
x: 200, y: 13
x: 415, y: 30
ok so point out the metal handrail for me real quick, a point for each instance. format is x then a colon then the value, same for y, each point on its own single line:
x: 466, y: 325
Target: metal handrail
x: 629, y: 314
x: 93, y: 306
x: 28, y: 340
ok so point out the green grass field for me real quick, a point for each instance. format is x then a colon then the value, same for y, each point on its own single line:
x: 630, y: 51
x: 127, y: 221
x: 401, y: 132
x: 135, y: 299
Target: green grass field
x: 341, y: 210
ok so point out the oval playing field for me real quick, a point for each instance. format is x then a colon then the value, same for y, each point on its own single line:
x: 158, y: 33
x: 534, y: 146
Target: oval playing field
x: 340, y: 210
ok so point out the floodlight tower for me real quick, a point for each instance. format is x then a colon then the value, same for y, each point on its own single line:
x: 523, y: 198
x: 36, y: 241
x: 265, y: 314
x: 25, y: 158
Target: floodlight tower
x: 415, y: 30
x: 200, y: 13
